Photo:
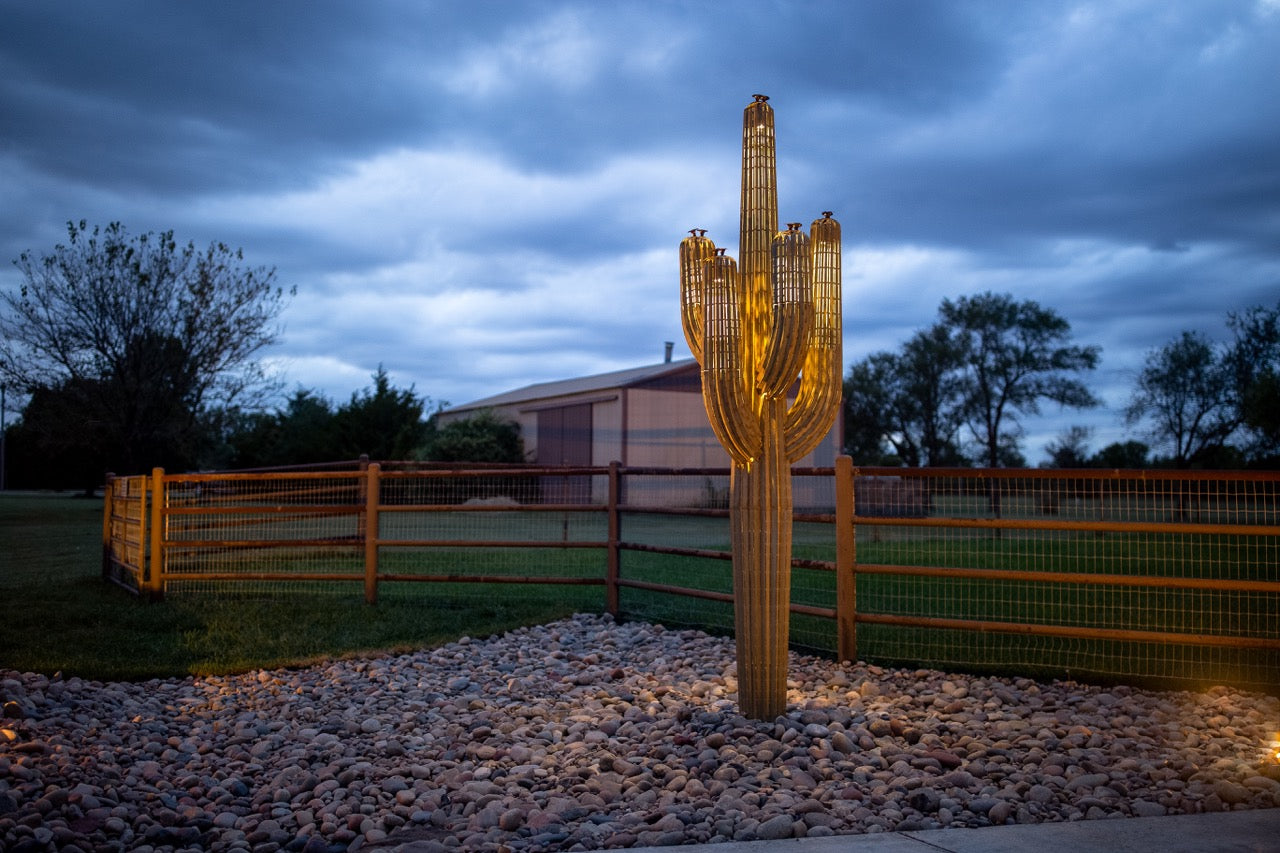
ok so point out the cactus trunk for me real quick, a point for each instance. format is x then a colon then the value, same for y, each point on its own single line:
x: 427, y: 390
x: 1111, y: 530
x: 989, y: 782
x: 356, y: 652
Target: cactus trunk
x: 760, y: 525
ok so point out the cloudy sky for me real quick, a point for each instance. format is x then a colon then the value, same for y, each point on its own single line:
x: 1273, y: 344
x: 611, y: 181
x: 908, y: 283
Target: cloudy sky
x: 483, y: 195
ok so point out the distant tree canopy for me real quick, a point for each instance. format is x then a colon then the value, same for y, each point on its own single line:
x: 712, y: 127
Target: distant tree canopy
x: 1254, y: 357
x: 1014, y: 355
x: 126, y: 344
x: 1071, y: 450
x: 909, y: 400
x: 300, y: 433
x: 1215, y: 405
x: 381, y: 422
x: 483, y: 437
x: 988, y: 361
x: 1121, y: 454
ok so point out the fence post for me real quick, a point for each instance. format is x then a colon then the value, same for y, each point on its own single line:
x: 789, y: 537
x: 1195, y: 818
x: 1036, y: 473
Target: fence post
x: 362, y: 493
x: 372, y: 490
x: 612, y: 566
x: 846, y: 563
x: 107, y: 510
x: 155, y: 577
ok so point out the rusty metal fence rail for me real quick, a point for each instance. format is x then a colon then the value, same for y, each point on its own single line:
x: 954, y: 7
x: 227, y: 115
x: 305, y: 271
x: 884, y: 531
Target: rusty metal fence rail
x: 1167, y: 575
x: 1170, y: 576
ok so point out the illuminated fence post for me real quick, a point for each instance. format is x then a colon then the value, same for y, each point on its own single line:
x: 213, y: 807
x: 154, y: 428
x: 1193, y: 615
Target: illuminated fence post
x: 755, y: 331
x: 846, y: 563
x: 155, y: 569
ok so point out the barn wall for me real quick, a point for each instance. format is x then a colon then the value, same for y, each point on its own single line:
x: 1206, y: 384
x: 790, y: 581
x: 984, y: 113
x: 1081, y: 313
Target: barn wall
x: 669, y: 429
x: 606, y: 438
x: 664, y: 425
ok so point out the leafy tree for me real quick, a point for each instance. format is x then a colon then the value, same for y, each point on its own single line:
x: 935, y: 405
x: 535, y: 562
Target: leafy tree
x: 42, y: 453
x: 308, y: 431
x: 1121, y: 454
x: 1015, y: 355
x: 930, y: 394
x: 382, y: 422
x: 987, y: 361
x: 1070, y: 449
x: 1215, y: 405
x: 868, y: 417
x: 1254, y: 362
x: 134, y: 340
x: 1188, y: 394
x: 1009, y: 452
x: 483, y: 437
x: 301, y: 433
x: 908, y: 401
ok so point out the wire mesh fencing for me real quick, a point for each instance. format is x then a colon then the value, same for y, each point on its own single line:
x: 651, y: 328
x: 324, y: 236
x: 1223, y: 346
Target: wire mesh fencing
x: 1169, y: 576
x: 674, y: 531
x: 374, y: 532
x: 124, y: 531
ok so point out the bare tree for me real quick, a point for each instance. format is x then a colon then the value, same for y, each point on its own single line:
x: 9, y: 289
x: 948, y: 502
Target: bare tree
x: 139, y: 336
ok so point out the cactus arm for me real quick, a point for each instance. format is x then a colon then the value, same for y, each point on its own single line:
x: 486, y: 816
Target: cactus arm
x: 695, y: 251
x: 724, y: 382
x: 811, y: 416
x: 758, y: 224
x: 793, y: 312
x: 815, y: 409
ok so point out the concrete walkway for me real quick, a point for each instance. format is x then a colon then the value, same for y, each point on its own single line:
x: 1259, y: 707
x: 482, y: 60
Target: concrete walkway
x: 1256, y: 831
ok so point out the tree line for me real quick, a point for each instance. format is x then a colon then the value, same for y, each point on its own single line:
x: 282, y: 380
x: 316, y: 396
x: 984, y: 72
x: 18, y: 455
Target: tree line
x: 958, y: 391
x: 135, y: 351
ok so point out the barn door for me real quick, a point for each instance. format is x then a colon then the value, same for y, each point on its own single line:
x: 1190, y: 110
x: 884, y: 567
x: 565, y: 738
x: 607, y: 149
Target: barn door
x: 564, y: 438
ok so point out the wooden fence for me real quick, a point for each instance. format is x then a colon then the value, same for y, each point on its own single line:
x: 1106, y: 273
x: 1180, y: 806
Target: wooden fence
x: 1155, y: 574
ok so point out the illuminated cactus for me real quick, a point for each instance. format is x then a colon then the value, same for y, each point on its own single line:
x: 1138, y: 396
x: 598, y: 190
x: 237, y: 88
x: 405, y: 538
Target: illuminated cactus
x: 755, y: 331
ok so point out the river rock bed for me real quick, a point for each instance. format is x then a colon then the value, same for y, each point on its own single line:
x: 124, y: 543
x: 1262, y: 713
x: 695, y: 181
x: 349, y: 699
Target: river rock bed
x: 586, y: 734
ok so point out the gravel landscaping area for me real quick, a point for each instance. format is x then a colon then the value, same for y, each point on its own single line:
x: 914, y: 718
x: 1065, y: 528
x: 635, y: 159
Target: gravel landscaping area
x: 586, y: 734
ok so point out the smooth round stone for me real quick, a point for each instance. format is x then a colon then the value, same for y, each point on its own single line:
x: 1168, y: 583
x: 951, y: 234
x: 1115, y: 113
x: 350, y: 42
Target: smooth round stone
x: 588, y: 734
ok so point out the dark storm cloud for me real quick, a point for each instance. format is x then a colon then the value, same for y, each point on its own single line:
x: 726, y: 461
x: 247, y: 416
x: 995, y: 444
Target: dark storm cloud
x: 481, y: 195
x: 1141, y: 125
x: 175, y: 97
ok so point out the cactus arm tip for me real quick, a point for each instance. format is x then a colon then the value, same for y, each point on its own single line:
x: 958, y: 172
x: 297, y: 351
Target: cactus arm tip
x: 695, y: 250
x: 816, y: 407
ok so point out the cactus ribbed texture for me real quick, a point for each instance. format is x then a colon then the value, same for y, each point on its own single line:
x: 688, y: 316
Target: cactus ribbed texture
x: 755, y: 330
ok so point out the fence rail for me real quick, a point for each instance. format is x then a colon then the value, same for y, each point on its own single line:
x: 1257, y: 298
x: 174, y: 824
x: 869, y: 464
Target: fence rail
x: 1168, y: 576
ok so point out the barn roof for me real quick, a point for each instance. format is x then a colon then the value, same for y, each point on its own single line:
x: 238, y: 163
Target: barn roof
x: 583, y: 384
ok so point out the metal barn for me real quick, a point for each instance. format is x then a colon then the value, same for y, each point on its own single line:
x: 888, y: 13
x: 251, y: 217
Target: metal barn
x: 649, y: 416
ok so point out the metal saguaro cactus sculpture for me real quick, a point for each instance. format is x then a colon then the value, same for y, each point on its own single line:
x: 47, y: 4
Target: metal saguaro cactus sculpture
x: 755, y: 330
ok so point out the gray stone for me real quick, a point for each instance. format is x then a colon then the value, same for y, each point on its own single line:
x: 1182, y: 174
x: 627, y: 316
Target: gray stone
x: 776, y: 828
x: 588, y: 734
x: 925, y: 800
x: 1146, y: 808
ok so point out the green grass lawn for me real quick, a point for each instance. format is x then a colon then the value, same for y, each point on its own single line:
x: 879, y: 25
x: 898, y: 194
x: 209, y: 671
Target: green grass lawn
x: 59, y: 615
x: 1021, y: 602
